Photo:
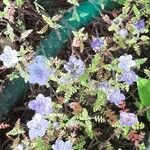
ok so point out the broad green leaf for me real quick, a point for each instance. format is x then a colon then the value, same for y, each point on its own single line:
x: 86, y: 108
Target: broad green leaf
x: 6, y: 2
x: 144, y: 91
x: 148, y: 115
x: 121, y: 2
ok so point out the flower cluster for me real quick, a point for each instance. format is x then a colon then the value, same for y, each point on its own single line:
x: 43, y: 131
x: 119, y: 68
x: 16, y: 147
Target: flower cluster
x: 97, y: 44
x: 139, y: 25
x: 116, y: 96
x: 128, y: 77
x: 126, y: 64
x: 42, y: 106
x: 9, y: 57
x: 37, y: 126
x: 75, y: 67
x: 113, y: 95
x: 128, y: 119
x: 39, y: 72
x: 61, y: 145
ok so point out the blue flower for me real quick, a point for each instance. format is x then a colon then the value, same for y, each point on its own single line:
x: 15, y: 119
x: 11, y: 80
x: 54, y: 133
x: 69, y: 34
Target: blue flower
x: 42, y: 105
x: 126, y: 62
x: 128, y: 119
x: 61, y: 145
x: 75, y: 67
x: 104, y: 86
x: 37, y: 126
x: 9, y: 57
x: 97, y: 44
x: 39, y: 72
x: 116, y: 96
x: 128, y: 77
x: 123, y: 32
x: 140, y: 25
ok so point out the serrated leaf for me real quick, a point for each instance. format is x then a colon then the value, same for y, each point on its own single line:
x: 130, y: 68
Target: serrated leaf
x: 140, y: 62
x: 144, y: 91
x: 136, y: 12
x: 147, y: 72
x: 144, y: 38
x: 43, y: 30
x: 26, y: 33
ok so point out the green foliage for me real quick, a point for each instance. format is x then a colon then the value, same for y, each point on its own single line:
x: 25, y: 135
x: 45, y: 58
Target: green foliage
x: 83, y: 116
x: 99, y: 119
x: 140, y: 62
x: 39, y: 144
x: 147, y: 72
x: 19, y: 3
x: 17, y: 130
x: 94, y: 66
x: 80, y: 143
x: 138, y: 126
x: 51, y: 21
x: 144, y: 91
x: 89, y: 113
x: 148, y: 114
x: 100, y: 101
x: 68, y: 89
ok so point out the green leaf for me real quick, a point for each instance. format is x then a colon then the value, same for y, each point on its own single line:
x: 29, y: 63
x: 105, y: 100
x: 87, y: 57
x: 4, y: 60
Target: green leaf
x: 136, y: 12
x: 26, y: 33
x: 121, y: 2
x: 144, y: 91
x: 148, y: 115
x: 19, y: 3
x: 140, y: 62
x: 6, y: 2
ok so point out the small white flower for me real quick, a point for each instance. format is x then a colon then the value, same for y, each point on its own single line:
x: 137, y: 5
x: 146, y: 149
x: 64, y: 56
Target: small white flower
x: 9, y: 57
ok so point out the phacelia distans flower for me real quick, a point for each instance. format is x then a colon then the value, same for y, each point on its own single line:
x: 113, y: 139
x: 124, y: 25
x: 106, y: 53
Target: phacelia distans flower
x: 123, y: 32
x: 97, y: 44
x: 41, y: 104
x: 61, y: 145
x: 39, y: 72
x: 126, y: 62
x: 139, y: 25
x: 104, y: 86
x: 128, y: 119
x: 128, y: 77
x: 37, y: 126
x: 9, y: 57
x: 75, y: 66
x: 116, y: 96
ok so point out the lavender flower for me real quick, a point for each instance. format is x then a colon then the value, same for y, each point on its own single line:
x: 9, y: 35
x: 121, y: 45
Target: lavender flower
x: 128, y: 77
x: 9, y: 57
x: 75, y: 67
x: 37, y: 126
x: 116, y: 96
x: 39, y: 72
x: 104, y: 86
x: 128, y: 119
x: 139, y: 25
x: 42, y: 105
x: 61, y: 145
x: 97, y: 44
x: 123, y: 32
x: 126, y: 62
